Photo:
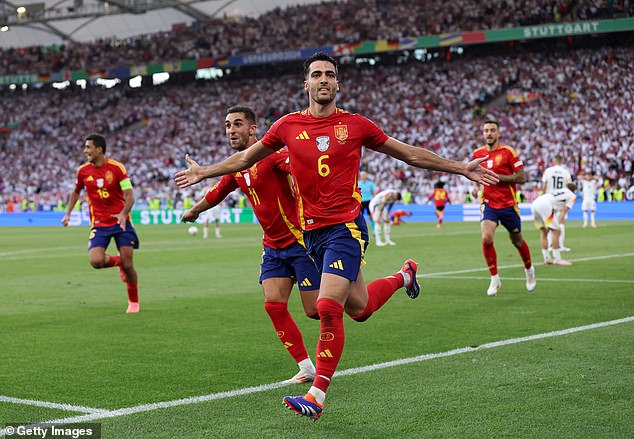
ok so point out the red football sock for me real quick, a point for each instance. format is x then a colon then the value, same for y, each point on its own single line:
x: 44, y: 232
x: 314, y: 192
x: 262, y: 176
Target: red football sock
x: 113, y: 261
x: 287, y: 329
x: 525, y: 253
x: 330, y: 344
x: 379, y: 292
x: 133, y: 292
x: 491, y: 257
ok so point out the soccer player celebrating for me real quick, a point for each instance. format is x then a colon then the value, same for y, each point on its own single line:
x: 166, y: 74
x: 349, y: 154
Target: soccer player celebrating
x: 284, y: 259
x: 499, y: 204
x: 325, y: 144
x: 440, y: 196
x: 111, y: 198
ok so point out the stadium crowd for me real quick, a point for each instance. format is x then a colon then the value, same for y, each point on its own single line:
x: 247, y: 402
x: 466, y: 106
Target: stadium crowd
x: 578, y: 103
x: 305, y: 26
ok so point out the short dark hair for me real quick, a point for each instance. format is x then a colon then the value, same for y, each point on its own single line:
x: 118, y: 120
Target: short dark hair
x: 320, y: 56
x: 439, y: 185
x: 495, y: 122
x: 98, y: 140
x: 248, y: 112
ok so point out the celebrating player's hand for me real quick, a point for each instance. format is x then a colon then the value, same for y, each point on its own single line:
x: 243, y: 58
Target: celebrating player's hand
x: 480, y: 174
x: 65, y: 220
x: 122, y: 218
x: 189, y: 216
x: 190, y: 175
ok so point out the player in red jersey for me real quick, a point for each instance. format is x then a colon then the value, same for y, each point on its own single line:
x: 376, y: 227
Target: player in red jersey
x: 499, y: 204
x: 397, y: 216
x: 284, y: 260
x: 324, y: 144
x: 440, y: 196
x: 110, y: 197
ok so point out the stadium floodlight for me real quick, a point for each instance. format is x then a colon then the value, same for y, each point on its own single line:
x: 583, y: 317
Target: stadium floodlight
x: 25, y: 86
x: 12, y: 86
x: 4, y: 28
x: 136, y: 81
x: 81, y: 83
x: 21, y: 10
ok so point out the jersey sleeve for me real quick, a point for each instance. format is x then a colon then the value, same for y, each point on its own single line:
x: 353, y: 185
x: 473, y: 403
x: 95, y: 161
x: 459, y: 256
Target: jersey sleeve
x: 282, y: 160
x: 374, y: 136
x: 79, y: 182
x: 516, y: 163
x: 220, y: 190
x: 273, y: 138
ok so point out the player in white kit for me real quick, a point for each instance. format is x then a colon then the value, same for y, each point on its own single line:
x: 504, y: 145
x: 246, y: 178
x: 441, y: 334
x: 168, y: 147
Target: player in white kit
x: 549, y: 209
x: 380, y: 206
x: 556, y: 178
x: 589, y: 187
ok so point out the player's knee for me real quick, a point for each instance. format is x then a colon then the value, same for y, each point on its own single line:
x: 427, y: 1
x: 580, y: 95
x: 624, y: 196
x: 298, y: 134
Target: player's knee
x: 97, y: 263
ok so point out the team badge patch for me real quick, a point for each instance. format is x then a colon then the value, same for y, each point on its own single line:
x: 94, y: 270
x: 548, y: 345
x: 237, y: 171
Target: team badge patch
x: 341, y: 132
x: 100, y: 182
x: 323, y: 142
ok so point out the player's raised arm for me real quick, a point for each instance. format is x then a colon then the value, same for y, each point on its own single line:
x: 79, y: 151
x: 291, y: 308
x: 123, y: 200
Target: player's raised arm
x: 423, y: 158
x: 237, y: 162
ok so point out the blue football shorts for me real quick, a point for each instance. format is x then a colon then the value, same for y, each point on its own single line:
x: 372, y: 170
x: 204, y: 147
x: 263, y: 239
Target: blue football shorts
x: 292, y: 262
x: 339, y: 249
x: 100, y: 236
x: 509, y: 217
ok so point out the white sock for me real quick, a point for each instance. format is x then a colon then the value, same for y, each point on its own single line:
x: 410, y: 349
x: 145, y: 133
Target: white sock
x: 585, y: 217
x: 406, y: 278
x: 562, y: 234
x: 320, y: 395
x: 377, y: 232
x: 217, y: 232
x: 307, y: 365
x: 546, y: 254
x: 557, y: 254
x: 592, y: 217
x: 387, y: 231
x: 205, y: 232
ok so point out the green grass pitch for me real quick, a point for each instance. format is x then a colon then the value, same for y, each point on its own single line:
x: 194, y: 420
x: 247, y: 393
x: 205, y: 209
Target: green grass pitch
x: 202, y: 330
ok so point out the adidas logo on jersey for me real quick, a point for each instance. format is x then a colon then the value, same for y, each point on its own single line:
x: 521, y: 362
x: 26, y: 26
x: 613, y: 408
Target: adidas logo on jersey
x: 306, y: 283
x: 303, y: 136
x: 288, y: 345
x: 337, y: 264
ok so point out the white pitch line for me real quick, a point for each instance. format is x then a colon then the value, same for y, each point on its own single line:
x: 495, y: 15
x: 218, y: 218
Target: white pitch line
x: 352, y: 371
x: 474, y: 270
x: 50, y: 405
x: 540, y: 279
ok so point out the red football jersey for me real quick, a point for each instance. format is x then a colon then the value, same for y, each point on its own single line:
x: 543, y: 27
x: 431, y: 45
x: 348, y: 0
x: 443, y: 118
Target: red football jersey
x: 268, y: 186
x: 440, y: 197
x: 503, y: 161
x: 105, y: 196
x: 325, y: 158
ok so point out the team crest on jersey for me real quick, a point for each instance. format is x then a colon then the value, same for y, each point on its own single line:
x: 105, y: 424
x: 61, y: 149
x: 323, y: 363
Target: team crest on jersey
x: 109, y: 177
x: 341, y: 132
x: 323, y: 142
x: 100, y: 182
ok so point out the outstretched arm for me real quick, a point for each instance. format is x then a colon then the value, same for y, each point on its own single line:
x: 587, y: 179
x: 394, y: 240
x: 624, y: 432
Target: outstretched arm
x: 234, y: 163
x: 423, y: 158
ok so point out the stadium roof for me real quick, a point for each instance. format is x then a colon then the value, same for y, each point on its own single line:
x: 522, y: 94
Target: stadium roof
x: 60, y: 21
